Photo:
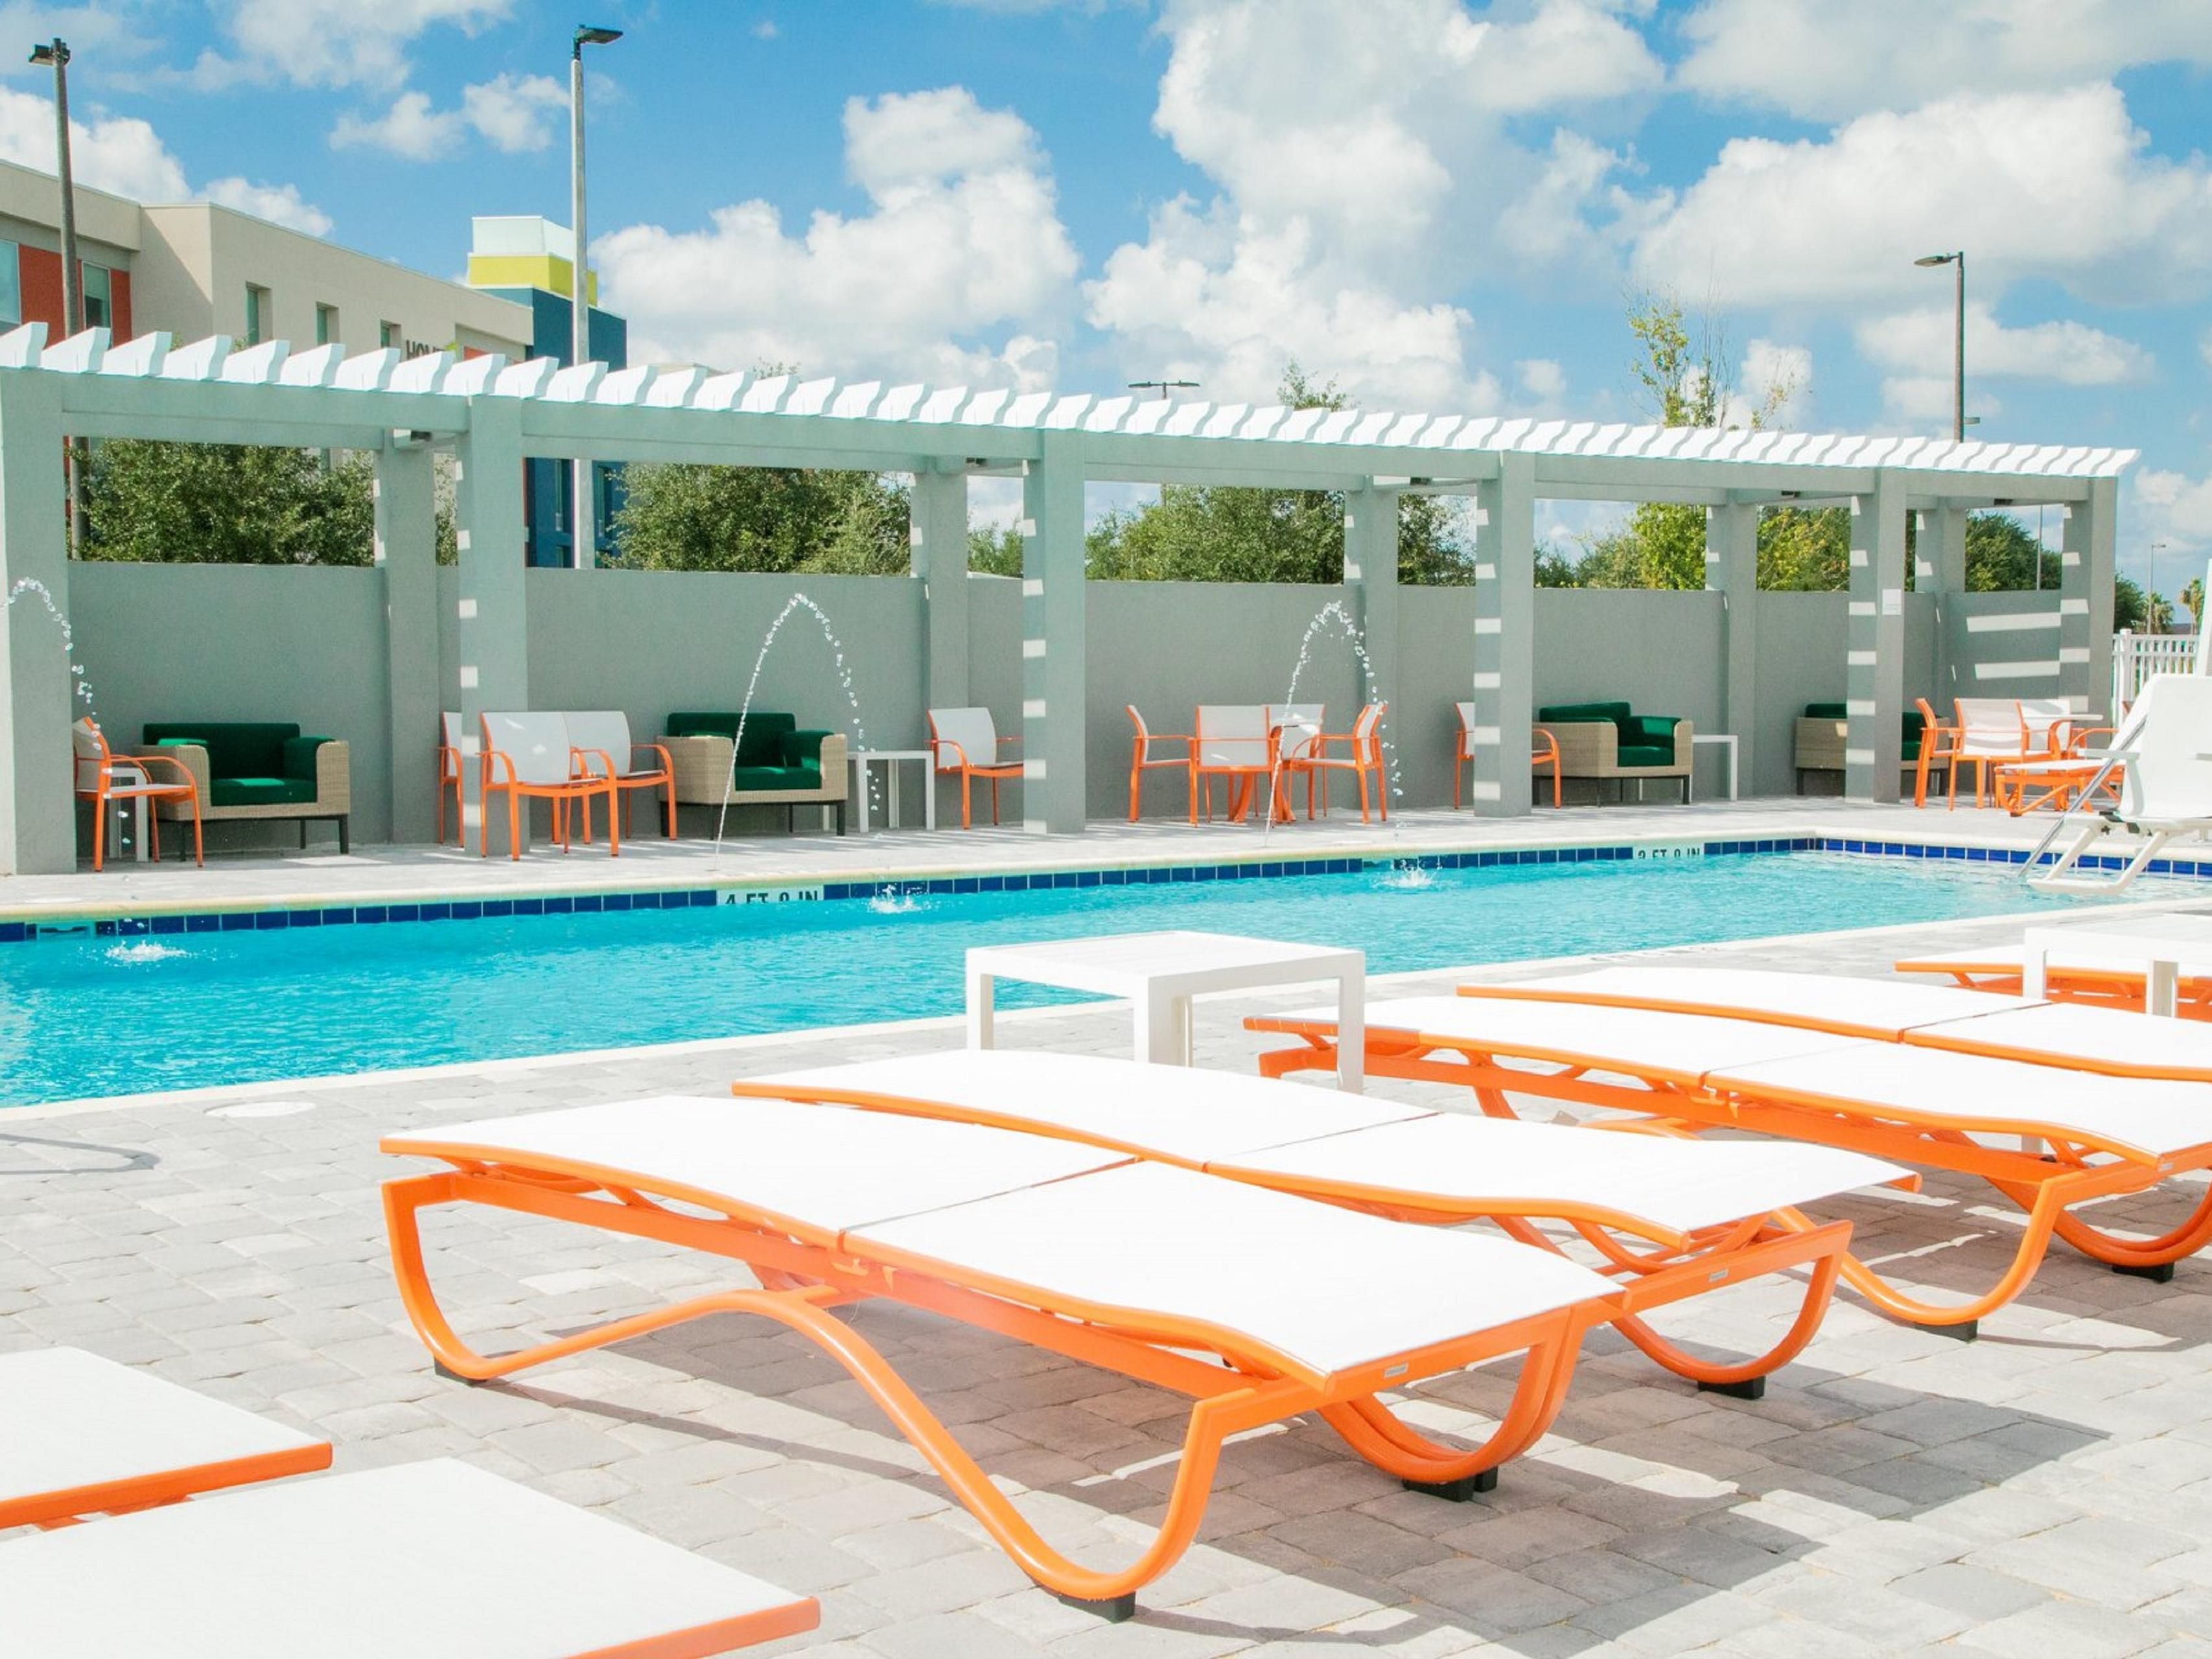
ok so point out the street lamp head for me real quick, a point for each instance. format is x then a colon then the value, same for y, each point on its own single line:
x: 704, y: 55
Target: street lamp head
x: 588, y: 36
x: 1936, y: 259
x: 51, y: 54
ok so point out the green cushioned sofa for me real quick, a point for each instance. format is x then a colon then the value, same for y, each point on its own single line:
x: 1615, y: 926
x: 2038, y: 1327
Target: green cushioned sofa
x: 259, y: 769
x: 1823, y: 734
x: 776, y: 763
x: 1604, y: 740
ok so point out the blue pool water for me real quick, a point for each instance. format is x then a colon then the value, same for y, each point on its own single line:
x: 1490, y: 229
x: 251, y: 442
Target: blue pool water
x: 107, y: 1016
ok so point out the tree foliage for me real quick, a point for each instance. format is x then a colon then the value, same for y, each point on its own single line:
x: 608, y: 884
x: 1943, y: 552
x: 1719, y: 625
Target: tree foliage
x: 180, y: 503
x: 780, y: 520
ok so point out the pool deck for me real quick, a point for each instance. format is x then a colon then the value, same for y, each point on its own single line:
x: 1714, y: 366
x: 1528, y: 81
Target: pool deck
x: 393, y: 873
x: 2044, y: 1490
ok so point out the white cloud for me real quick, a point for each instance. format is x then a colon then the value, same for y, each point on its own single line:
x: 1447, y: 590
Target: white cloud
x: 766, y: 29
x: 2057, y: 188
x: 2070, y: 353
x: 1775, y: 383
x: 1821, y: 61
x: 513, y: 113
x: 126, y: 157
x: 278, y: 203
x: 2172, y: 507
x: 958, y: 273
x: 410, y: 128
x: 333, y: 43
x: 1227, y: 304
x: 1542, y: 380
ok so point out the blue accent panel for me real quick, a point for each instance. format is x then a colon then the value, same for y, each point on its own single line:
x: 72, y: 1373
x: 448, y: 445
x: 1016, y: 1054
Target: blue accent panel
x: 14, y: 932
x: 466, y: 909
x: 498, y: 907
x: 585, y: 902
x: 201, y: 924
x: 132, y: 926
x: 161, y: 925
x: 304, y: 918
x: 268, y: 920
x: 529, y: 906
x: 235, y: 921
x: 558, y: 907
x: 340, y: 917
x: 615, y: 901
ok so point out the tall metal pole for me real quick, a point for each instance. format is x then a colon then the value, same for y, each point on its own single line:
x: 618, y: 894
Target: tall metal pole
x: 72, y: 273
x: 582, y: 527
x: 1959, y: 364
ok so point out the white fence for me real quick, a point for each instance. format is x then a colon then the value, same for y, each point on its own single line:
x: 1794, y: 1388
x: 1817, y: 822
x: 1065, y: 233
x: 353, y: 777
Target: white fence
x: 2136, y: 656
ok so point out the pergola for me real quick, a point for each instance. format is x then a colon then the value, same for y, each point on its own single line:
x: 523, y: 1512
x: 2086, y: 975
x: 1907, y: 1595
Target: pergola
x: 492, y: 414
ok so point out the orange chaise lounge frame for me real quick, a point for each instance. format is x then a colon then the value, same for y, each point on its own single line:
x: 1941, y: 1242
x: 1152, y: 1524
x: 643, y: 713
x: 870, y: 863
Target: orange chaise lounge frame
x: 807, y: 1268
x: 1045, y: 1093
x: 1497, y: 1051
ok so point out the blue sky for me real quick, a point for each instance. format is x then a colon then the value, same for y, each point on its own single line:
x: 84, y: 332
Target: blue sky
x: 1442, y: 204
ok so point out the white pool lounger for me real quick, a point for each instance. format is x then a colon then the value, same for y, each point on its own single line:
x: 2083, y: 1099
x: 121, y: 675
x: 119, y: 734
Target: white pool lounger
x: 2047, y: 1137
x: 432, y: 1560
x: 84, y: 1435
x: 1711, y: 1213
x: 1258, y: 1305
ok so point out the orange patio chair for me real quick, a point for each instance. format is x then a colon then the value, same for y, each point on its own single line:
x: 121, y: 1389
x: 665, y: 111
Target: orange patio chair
x: 1938, y: 747
x: 528, y: 756
x: 1141, y: 760
x: 1543, y: 751
x: 1233, y: 741
x: 966, y: 742
x: 597, y: 736
x: 100, y: 776
x: 449, y: 774
x: 1363, y: 759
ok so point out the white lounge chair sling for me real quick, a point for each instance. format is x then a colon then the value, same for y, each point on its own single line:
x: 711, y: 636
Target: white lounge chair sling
x: 2091, y: 1137
x: 1671, y: 1218
x: 2165, y: 786
x: 1138, y: 1267
x: 432, y: 1560
x: 84, y: 1435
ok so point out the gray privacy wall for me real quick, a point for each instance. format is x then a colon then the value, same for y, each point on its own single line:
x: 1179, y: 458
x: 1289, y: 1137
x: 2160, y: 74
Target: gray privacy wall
x: 166, y: 641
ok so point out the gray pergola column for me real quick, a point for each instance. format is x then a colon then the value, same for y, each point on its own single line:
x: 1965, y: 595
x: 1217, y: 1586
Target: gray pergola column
x: 1732, y: 571
x: 939, y: 560
x: 1053, y: 679
x: 2085, y: 596
x: 407, y: 553
x: 38, y: 813
x: 493, y: 620
x: 1505, y: 637
x: 1371, y: 571
x: 1940, y: 569
x: 1875, y: 680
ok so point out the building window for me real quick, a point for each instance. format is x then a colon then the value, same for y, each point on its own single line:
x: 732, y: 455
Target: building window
x: 257, y: 314
x: 99, y: 296
x: 11, y: 284
x: 326, y: 325
x: 387, y: 334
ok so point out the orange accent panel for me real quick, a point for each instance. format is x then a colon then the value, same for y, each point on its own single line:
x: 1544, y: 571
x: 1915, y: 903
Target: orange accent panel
x: 40, y: 274
x: 119, y: 302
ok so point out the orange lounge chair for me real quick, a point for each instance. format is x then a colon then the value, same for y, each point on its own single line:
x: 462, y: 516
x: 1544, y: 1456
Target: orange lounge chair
x: 529, y: 757
x: 1363, y: 758
x: 1141, y: 760
x: 1258, y: 1305
x: 102, y: 777
x: 2076, y: 976
x: 1669, y: 1218
x: 88, y: 1437
x: 430, y: 1560
x: 1906, y: 1102
x: 965, y: 741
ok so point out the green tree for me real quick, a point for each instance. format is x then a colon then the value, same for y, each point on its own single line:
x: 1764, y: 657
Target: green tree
x: 179, y: 503
x: 2004, y: 556
x: 995, y: 552
x: 1805, y: 550
x: 2192, y: 601
x: 1555, y: 568
x: 2134, y: 608
x: 788, y: 520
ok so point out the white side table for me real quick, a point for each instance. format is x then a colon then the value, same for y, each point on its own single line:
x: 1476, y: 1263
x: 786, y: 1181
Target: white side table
x: 1696, y: 738
x: 890, y: 758
x: 1159, y: 973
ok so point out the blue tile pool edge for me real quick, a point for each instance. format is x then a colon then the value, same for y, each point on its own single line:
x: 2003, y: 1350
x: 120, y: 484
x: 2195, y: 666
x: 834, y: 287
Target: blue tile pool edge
x: 281, y: 916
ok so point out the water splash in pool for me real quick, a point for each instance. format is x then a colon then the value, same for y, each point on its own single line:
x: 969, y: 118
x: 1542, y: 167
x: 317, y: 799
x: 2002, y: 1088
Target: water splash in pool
x: 1408, y: 878
x: 145, y: 949
x: 797, y: 601
x: 891, y: 902
x: 1370, y: 692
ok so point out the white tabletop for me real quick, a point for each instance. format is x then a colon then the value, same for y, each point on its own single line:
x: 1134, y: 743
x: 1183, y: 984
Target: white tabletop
x: 1130, y: 964
x: 2158, y: 946
x: 433, y: 1560
x: 75, y: 1422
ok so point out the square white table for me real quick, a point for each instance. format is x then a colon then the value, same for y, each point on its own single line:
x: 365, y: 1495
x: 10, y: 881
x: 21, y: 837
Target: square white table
x: 1159, y: 973
x: 2159, y: 947
x: 890, y: 758
x: 1728, y: 737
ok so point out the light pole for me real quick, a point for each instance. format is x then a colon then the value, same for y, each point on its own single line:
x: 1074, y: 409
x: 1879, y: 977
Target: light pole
x: 582, y: 527
x: 56, y: 53
x: 1164, y: 387
x: 1958, y: 354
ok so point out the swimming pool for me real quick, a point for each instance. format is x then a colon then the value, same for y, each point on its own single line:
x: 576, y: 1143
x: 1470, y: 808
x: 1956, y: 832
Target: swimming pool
x: 112, y: 1016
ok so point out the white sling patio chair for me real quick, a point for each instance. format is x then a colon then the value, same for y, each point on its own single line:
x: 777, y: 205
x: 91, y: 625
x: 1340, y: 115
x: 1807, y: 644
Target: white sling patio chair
x: 1905, y: 1101
x: 1672, y: 1219
x: 88, y: 1437
x: 601, y: 739
x: 2163, y: 752
x: 432, y: 1560
x: 1258, y: 1305
x: 529, y: 757
x: 1232, y: 741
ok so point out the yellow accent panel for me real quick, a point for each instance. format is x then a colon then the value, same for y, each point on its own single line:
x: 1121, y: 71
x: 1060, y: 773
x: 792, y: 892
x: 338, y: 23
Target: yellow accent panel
x: 545, y: 271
